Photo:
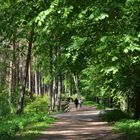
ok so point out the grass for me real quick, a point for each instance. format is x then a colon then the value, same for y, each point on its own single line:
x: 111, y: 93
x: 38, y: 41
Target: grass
x: 130, y: 129
x: 33, y: 130
x: 122, y: 123
x: 28, y: 125
x: 113, y: 115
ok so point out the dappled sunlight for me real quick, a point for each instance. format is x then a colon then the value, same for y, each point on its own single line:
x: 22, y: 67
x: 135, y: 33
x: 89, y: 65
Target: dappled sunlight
x: 84, y: 113
x: 65, y: 132
x: 88, y: 113
x: 97, y: 123
x: 79, y: 125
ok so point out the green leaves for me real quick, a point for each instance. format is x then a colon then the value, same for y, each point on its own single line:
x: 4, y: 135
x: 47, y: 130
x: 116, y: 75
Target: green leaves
x: 101, y: 16
x: 74, y: 49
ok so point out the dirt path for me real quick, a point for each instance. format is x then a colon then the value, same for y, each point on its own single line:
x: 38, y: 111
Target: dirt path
x: 79, y: 124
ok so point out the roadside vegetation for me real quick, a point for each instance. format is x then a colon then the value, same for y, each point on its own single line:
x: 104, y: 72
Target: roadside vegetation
x: 122, y: 122
x: 29, y: 124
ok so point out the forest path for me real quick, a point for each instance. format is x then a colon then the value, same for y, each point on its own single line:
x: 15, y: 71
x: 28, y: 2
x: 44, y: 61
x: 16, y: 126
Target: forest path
x: 79, y: 124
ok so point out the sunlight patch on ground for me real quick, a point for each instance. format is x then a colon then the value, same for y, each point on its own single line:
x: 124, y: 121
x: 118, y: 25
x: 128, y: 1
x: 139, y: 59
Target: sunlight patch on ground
x: 88, y: 113
x: 84, y: 113
x: 97, y: 123
x: 75, y: 131
x: 59, y: 123
x: 65, y: 132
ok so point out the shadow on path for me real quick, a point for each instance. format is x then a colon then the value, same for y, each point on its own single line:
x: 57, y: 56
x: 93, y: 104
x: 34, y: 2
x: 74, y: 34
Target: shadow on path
x: 79, y: 124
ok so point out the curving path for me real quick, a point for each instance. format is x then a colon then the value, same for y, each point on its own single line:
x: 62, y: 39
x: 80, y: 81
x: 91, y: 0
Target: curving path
x: 79, y: 124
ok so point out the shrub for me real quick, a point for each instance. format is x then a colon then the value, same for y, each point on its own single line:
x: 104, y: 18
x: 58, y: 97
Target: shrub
x: 35, y: 111
x: 38, y: 105
x: 130, y: 128
x: 91, y: 103
x: 113, y: 115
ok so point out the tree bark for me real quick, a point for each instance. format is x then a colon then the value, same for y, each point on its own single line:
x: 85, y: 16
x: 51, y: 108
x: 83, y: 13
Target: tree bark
x: 137, y: 105
x: 12, y: 73
x: 36, y: 83
x: 51, y: 80
x: 75, y: 79
x: 30, y: 80
x: 22, y: 94
x: 10, y: 88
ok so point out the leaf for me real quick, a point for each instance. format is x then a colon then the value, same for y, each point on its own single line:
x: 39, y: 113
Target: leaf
x: 101, y: 16
x: 114, y: 58
x: 125, y: 50
x: 91, y: 16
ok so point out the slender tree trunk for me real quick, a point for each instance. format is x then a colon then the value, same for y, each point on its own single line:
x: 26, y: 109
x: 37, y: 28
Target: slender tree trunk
x: 12, y: 73
x: 14, y: 65
x: 10, y: 88
x: 51, y: 81
x: 128, y: 104
x: 58, y: 99
x: 36, y: 83
x: 40, y: 84
x: 55, y: 93
x: 71, y: 85
x: 30, y: 80
x: 137, y: 105
x: 17, y: 73
x: 43, y: 86
x: 22, y: 94
x: 75, y: 79
x: 20, y: 72
x: 53, y: 96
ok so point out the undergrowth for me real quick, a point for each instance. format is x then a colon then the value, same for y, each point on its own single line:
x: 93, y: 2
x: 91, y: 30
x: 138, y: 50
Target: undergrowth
x: 130, y: 129
x: 122, y: 123
x: 92, y: 103
x: 113, y: 115
x: 27, y: 125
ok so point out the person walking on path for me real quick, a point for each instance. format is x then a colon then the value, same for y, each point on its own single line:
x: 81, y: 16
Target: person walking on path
x: 76, y: 102
x: 80, y: 102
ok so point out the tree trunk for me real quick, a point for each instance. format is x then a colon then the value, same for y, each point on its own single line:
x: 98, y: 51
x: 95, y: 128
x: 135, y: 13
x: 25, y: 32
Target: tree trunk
x: 12, y: 73
x: 137, y: 105
x: 30, y: 81
x: 36, y: 83
x: 10, y: 88
x: 43, y: 86
x: 75, y: 79
x: 22, y: 94
x: 51, y: 80
x: 71, y: 85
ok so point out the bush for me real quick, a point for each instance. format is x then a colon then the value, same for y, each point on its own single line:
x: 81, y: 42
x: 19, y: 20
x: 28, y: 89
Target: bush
x: 92, y: 103
x: 35, y: 111
x: 131, y: 129
x: 89, y: 103
x: 12, y: 124
x: 39, y: 105
x: 113, y: 115
x: 4, y: 105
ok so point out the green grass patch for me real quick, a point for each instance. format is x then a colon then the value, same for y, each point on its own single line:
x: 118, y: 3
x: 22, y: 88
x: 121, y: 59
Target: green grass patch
x: 28, y: 125
x: 130, y: 129
x: 122, y: 123
x: 13, y: 124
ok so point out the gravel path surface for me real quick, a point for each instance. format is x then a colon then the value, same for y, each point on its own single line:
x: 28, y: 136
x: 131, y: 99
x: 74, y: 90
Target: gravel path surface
x: 79, y: 124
